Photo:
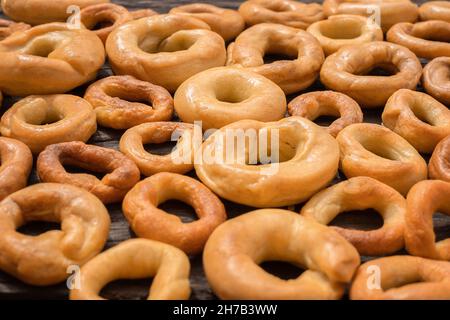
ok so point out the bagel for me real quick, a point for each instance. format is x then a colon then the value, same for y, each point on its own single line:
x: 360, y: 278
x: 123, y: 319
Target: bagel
x: 439, y: 167
x: 435, y: 10
x: 435, y: 79
x: 7, y: 28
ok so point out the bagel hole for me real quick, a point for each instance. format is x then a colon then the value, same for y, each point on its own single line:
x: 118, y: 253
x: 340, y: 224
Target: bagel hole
x: 281, y: 269
x: 364, y: 220
x: 325, y: 120
x: 102, y: 24
x: 41, y: 49
x: 77, y: 169
x: 232, y: 93
x: 50, y: 117
x: 127, y: 95
x: 381, y: 70
x: 272, y: 57
x: 179, y: 41
x: 180, y: 209
x: 341, y: 30
x: 441, y: 226
x: 160, y: 149
x: 35, y: 228
x: 381, y: 151
x: 420, y: 112
x: 136, y: 289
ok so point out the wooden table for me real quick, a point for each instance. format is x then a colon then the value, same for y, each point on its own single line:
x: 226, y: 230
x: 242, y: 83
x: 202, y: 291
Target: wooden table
x: 11, y: 288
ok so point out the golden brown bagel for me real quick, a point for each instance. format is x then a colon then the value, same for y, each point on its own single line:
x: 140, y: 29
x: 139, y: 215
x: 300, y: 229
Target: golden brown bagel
x: 435, y: 10
x: 439, y: 167
x: 436, y: 81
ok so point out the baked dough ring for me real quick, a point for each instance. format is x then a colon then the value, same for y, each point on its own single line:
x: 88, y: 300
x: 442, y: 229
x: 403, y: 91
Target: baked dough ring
x: 43, y: 260
x: 424, y: 200
x: 228, y: 23
x: 140, y: 207
x: 121, y: 173
x: 327, y: 103
x: 290, y: 13
x: 362, y: 193
x: 7, y: 28
x: 295, y: 178
x: 181, y: 160
x: 436, y: 80
x: 234, y: 251
x: 143, y: 13
x: 253, y: 44
x: 112, y: 99
x: 136, y: 259
x: 439, y: 166
x: 377, y: 152
x: 417, y: 117
x: 39, y: 121
x: 402, y: 278
x: 435, y: 10
x: 344, y: 29
x: 15, y: 166
x: 43, y: 11
x: 221, y: 96
x: 428, y: 39
x: 52, y: 58
x: 165, y: 49
x: 346, y: 71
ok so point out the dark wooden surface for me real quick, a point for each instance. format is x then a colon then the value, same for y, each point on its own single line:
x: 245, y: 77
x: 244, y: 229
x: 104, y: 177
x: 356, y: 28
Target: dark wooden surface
x: 120, y: 231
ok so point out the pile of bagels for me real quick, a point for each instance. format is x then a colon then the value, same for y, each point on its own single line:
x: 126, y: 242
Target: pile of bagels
x: 247, y: 71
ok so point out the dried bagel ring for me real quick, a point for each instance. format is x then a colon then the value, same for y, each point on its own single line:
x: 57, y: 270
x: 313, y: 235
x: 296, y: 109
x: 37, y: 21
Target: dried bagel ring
x: 181, y: 160
x: 7, y: 28
x: 362, y: 193
x: 140, y: 207
x: 112, y: 99
x: 425, y: 199
x: 143, y: 13
x: 235, y: 249
x: 228, y: 23
x: 402, y: 278
x: 435, y: 10
x: 16, y: 161
x: 417, y: 117
x: 343, y: 30
x: 439, y: 167
x: 327, y: 103
x: 287, y: 12
x: 122, y: 173
x: 135, y: 259
x: 377, y: 152
x: 347, y: 71
x: 165, y: 50
x: 436, y: 80
x: 39, y: 121
x: 253, y: 44
x: 428, y: 39
x: 44, y: 259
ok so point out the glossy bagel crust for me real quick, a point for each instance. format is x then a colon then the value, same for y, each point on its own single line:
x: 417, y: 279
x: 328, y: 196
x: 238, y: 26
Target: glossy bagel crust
x: 47, y: 59
x: 44, y: 259
x: 16, y: 161
x: 112, y: 99
x: 7, y: 28
x: 424, y: 200
x: 121, y: 173
x: 345, y: 71
x: 327, y: 103
x: 221, y: 96
x: 439, y: 166
x: 436, y: 81
x: 39, y: 121
x: 377, y: 152
x: 228, y: 23
x: 417, y: 117
x: 435, y: 10
x: 136, y: 259
x: 140, y: 207
x: 165, y: 49
x: 253, y: 44
x: 362, y: 193
x: 143, y: 13
x: 294, y: 179
x: 290, y: 13
x: 235, y: 249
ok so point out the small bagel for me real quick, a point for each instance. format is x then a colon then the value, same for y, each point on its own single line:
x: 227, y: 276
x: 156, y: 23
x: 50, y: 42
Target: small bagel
x: 362, y: 193
x: 343, y: 30
x: 43, y: 260
x: 253, y: 44
x: 439, y: 167
x: 346, y: 71
x: 122, y: 173
x: 140, y: 207
x: 221, y: 96
x: 112, y: 99
x: 15, y: 166
x: 402, y: 278
x: 417, y: 117
x: 287, y: 12
x: 428, y: 39
x: 228, y: 23
x: 235, y: 249
x: 47, y: 59
x: 292, y: 178
x: 424, y: 200
x: 143, y: 13
x: 39, y: 121
x: 435, y: 10
x: 436, y: 81
x: 133, y: 140
x: 377, y: 152
x: 165, y: 49
x: 327, y: 103
x: 7, y: 28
